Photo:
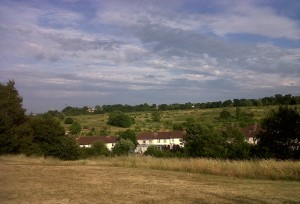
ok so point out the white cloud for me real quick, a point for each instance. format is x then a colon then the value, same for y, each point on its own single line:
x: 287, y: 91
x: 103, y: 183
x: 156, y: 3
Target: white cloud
x: 145, y: 51
x: 244, y: 17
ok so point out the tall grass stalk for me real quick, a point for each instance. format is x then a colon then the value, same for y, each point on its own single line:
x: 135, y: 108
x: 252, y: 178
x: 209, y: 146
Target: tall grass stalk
x: 253, y: 169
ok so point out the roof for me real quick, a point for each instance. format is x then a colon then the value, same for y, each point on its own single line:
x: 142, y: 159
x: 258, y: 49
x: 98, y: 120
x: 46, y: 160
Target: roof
x: 252, y: 131
x: 160, y: 135
x: 87, y: 140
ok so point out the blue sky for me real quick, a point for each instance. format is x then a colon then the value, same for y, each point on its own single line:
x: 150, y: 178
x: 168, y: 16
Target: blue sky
x: 78, y: 53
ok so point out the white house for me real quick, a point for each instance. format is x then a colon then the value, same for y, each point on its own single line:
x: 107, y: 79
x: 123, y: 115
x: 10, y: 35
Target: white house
x: 163, y: 140
x: 87, y: 141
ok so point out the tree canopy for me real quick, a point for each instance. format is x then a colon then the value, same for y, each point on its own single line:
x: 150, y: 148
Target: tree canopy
x: 280, y: 137
x: 120, y: 119
x: 11, y: 111
x: 41, y: 135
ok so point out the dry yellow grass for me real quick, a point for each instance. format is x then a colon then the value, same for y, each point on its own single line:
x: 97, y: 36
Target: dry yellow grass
x: 38, y: 180
x: 261, y: 169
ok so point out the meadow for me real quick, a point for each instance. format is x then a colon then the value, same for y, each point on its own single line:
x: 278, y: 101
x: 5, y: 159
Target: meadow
x: 143, y: 122
x: 144, y: 180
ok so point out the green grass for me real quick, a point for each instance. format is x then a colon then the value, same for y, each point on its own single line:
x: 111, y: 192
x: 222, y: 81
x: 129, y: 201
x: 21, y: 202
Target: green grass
x: 144, y: 123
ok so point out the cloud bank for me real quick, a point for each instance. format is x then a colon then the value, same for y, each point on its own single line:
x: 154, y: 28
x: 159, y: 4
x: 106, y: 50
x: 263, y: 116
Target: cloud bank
x: 89, y: 52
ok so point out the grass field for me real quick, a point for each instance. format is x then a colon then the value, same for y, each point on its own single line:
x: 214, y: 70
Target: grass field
x: 143, y: 122
x: 39, y: 180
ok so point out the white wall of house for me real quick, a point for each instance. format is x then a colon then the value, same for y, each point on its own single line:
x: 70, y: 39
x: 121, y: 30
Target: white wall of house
x: 251, y: 140
x: 108, y: 145
x: 144, y: 144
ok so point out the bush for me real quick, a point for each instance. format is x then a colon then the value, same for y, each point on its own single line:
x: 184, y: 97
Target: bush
x: 75, y: 128
x: 123, y: 147
x: 153, y: 150
x: 99, y: 148
x: 120, y: 119
x: 225, y: 115
x: 69, y: 120
x: 129, y: 135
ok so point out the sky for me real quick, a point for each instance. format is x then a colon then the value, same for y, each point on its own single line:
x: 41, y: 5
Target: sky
x: 86, y: 53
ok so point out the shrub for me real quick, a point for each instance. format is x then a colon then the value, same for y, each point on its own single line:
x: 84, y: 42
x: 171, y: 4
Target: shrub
x: 129, y: 135
x: 123, y: 147
x: 225, y: 115
x: 153, y: 151
x: 120, y: 119
x: 75, y: 128
x: 69, y: 120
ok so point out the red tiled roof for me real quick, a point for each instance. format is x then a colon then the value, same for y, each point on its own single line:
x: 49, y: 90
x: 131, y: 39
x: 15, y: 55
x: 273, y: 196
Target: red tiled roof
x: 160, y: 135
x: 92, y: 139
x: 252, y: 131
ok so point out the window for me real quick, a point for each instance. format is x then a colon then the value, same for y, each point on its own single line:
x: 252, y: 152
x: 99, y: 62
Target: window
x: 165, y: 141
x: 158, y: 140
x: 144, y: 141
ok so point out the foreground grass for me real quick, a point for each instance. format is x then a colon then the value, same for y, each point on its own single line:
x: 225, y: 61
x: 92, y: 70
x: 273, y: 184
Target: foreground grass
x: 253, y: 169
x: 39, y: 180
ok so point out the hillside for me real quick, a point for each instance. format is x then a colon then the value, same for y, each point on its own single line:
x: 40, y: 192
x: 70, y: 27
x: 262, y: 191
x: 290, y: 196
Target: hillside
x: 144, y: 123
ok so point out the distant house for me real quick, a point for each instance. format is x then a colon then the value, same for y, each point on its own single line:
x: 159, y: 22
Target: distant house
x: 251, y: 133
x: 91, y: 110
x: 87, y: 141
x: 163, y: 140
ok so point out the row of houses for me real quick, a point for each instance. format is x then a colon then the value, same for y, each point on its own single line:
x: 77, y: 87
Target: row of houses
x: 163, y: 140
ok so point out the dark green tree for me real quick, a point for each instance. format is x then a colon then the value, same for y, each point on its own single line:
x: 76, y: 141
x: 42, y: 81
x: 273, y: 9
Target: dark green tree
x: 123, y: 147
x: 227, y: 103
x: 119, y: 119
x: 225, y: 115
x: 49, y: 139
x: 11, y: 111
x: 280, y: 137
x: 129, y: 135
x: 153, y: 150
x: 75, y: 128
x: 69, y: 120
x: 12, y: 115
x: 236, y: 145
x: 97, y: 149
x: 204, y: 142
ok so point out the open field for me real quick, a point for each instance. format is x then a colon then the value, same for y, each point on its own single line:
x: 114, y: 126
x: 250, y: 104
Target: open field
x: 38, y: 180
x: 143, y: 122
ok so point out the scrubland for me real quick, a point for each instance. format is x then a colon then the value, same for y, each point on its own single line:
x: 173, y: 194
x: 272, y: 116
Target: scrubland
x: 143, y: 122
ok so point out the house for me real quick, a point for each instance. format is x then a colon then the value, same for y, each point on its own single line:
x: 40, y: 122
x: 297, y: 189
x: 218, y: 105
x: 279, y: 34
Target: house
x: 87, y: 141
x: 163, y: 140
x: 251, y: 133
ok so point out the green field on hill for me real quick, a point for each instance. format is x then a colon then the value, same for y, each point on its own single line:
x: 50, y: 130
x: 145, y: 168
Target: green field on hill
x: 144, y: 123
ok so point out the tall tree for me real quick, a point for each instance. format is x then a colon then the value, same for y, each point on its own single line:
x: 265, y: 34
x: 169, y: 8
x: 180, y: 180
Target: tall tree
x: 11, y: 111
x: 281, y: 136
x: 129, y: 135
x: 203, y: 142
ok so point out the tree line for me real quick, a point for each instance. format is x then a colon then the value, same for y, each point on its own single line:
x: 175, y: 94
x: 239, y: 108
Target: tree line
x: 277, y: 99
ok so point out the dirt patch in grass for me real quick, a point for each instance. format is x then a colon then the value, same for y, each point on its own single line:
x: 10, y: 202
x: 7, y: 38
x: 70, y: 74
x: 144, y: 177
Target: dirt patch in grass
x: 40, y: 181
